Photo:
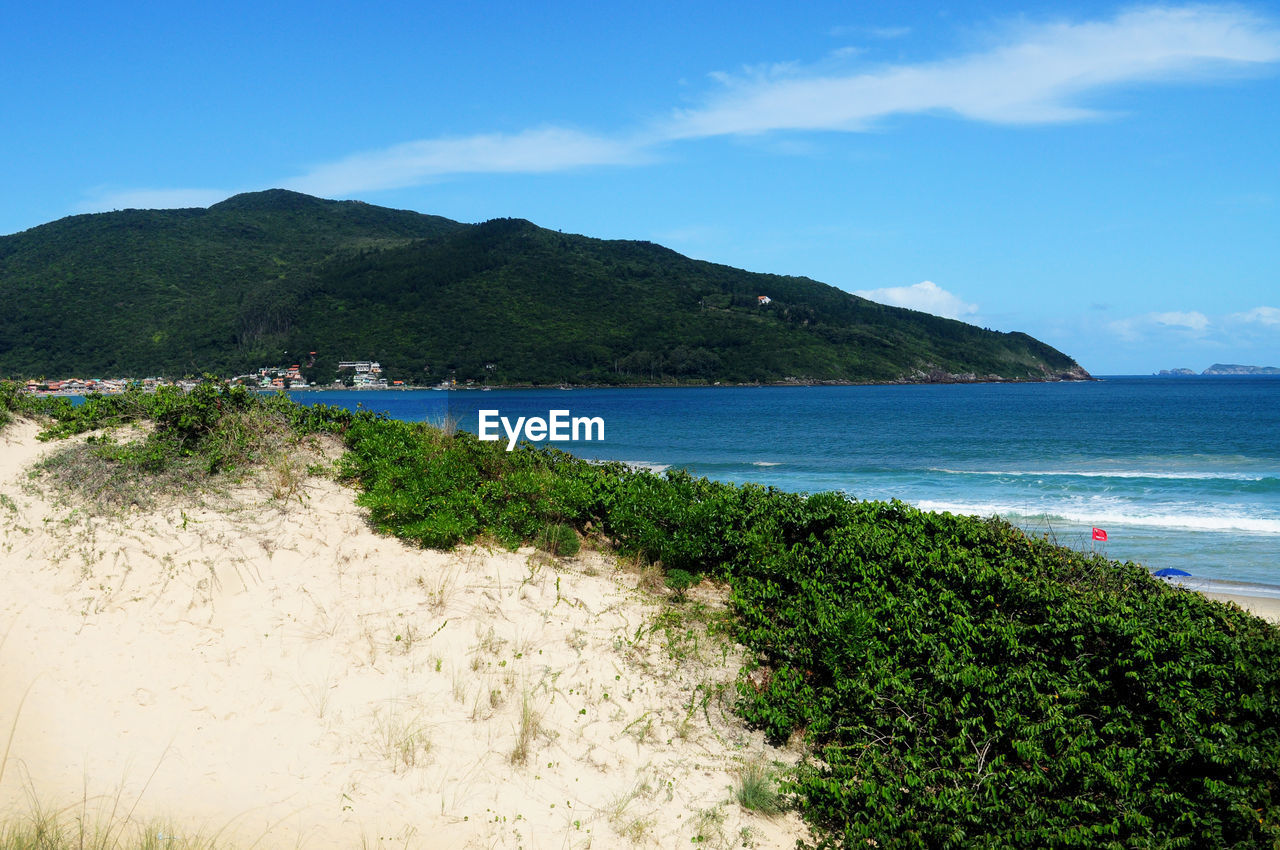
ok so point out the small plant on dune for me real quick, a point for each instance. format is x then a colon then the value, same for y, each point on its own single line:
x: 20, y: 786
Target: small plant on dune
x: 756, y: 790
x: 641, y: 729
x: 439, y: 585
x: 680, y: 581
x: 403, y: 738
x: 286, y: 476
x: 632, y: 827
x: 530, y: 727
x: 406, y: 638
x: 560, y: 540
x: 708, y: 827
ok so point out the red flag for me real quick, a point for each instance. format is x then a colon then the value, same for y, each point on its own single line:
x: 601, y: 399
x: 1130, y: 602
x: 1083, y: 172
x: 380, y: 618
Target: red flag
x: 1099, y: 534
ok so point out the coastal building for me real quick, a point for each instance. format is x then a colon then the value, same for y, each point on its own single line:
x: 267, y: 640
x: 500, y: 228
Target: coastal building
x: 764, y: 299
x: 277, y: 377
x: 368, y: 373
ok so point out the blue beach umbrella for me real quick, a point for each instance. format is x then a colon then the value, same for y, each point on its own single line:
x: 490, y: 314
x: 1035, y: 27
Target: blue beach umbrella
x: 1170, y: 572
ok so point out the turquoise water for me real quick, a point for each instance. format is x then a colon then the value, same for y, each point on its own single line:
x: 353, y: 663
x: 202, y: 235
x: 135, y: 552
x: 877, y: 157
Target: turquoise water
x: 1180, y: 472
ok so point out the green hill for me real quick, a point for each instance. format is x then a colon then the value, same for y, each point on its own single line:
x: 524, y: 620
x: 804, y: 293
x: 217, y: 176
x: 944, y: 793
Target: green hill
x: 261, y: 278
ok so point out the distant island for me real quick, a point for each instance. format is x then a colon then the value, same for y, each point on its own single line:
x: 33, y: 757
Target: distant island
x: 282, y: 279
x: 1224, y: 369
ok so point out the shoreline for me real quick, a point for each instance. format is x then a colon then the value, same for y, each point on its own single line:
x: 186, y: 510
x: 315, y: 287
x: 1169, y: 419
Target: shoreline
x: 1263, y: 607
x: 924, y: 380
x: 1261, y: 600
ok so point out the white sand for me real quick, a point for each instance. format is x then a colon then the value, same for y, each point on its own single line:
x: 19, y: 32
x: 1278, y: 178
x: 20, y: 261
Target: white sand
x: 1260, y: 606
x: 279, y: 674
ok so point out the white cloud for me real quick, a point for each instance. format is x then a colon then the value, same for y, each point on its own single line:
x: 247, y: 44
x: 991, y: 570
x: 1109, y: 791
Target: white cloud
x: 1036, y: 77
x: 1031, y: 74
x: 1192, y: 321
x: 1190, y: 338
x: 1169, y: 325
x: 412, y: 163
x: 149, y: 199
x: 873, y: 32
x: 925, y: 296
x: 1260, y: 316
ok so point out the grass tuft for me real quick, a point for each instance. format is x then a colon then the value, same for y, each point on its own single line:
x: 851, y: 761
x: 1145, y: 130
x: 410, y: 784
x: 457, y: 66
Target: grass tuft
x: 97, y: 823
x: 529, y: 729
x: 403, y: 739
x: 757, y: 791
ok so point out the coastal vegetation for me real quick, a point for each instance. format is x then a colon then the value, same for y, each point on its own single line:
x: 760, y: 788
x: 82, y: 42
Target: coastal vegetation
x: 955, y: 681
x: 269, y: 277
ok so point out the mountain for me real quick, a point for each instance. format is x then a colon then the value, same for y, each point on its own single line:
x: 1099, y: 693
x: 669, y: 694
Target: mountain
x: 263, y: 278
x: 1236, y: 369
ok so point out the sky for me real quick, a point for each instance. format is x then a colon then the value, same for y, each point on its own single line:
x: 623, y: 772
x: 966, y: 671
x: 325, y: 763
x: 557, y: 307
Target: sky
x: 1103, y: 177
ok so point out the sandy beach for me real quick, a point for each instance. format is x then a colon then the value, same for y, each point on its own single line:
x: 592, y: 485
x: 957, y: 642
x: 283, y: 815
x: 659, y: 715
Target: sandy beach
x: 270, y: 672
x: 1265, y: 607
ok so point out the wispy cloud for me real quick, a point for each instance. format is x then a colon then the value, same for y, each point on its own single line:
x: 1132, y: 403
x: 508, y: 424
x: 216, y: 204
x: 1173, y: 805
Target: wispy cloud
x: 1246, y: 327
x: 412, y: 163
x: 1029, y: 73
x: 1192, y: 320
x: 1040, y: 74
x: 925, y: 296
x: 871, y: 32
x: 1138, y: 328
x: 1268, y: 316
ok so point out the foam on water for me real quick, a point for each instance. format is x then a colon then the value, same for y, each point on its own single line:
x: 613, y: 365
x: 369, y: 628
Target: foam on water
x: 1111, y: 517
x: 1119, y: 473
x: 647, y: 465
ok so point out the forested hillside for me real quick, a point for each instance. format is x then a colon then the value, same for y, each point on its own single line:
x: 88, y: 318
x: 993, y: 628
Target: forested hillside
x: 264, y: 278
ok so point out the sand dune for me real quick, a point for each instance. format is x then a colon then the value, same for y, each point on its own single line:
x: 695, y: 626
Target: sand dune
x: 271, y: 672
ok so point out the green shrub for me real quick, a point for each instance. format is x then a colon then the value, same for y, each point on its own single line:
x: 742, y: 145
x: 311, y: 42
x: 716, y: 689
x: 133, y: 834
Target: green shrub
x: 966, y: 686
x: 215, y: 428
x: 680, y: 581
x: 8, y: 401
x: 559, y: 539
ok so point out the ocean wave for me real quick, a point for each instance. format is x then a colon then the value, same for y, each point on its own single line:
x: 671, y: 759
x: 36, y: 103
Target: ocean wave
x: 1110, y: 516
x: 766, y: 463
x: 1119, y: 473
x: 645, y: 464
x: 1230, y: 588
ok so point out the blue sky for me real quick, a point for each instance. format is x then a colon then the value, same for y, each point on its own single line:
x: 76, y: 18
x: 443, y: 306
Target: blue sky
x: 1104, y: 177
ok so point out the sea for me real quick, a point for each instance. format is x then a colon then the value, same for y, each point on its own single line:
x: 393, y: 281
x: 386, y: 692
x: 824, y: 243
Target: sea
x: 1179, y: 472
